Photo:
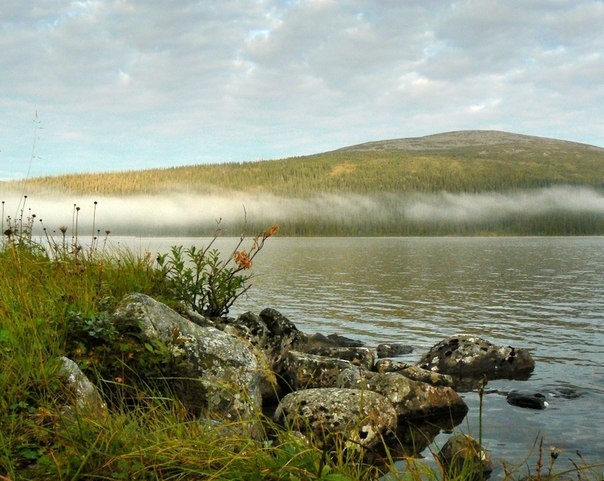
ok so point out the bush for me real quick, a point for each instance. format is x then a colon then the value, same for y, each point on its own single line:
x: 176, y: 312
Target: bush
x: 205, y: 281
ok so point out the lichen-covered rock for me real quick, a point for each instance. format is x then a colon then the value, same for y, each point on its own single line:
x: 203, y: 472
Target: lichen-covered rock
x: 463, y: 454
x: 219, y: 377
x: 473, y: 357
x: 411, y: 399
x: 411, y: 371
x: 272, y: 332
x: 359, y: 356
x: 305, y: 371
x: 332, y: 340
x: 393, y: 350
x: 282, y: 328
x: 356, y: 418
x: 85, y: 398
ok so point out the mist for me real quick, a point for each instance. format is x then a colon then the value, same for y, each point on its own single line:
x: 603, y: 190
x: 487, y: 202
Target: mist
x: 175, y: 214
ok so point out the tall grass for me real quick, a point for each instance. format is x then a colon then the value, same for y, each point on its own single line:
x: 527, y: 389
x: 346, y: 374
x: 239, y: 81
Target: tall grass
x: 53, y: 290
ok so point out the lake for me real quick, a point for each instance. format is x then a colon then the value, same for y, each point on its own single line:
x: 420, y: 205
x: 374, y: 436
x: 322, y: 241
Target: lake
x: 544, y: 294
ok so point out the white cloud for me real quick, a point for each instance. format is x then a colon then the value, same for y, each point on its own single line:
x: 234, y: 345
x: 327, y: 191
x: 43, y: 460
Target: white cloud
x: 122, y: 83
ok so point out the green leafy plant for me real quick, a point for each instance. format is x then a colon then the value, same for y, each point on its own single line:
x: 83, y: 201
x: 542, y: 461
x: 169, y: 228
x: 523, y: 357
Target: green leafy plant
x: 204, y: 280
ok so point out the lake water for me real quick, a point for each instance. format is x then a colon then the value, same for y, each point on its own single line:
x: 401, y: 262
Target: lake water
x: 544, y: 294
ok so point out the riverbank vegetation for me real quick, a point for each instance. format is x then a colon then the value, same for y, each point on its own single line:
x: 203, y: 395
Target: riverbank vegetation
x: 55, y: 300
x: 464, y: 183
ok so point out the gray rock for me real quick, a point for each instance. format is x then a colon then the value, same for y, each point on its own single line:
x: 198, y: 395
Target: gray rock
x: 281, y: 327
x: 411, y: 399
x: 473, y: 357
x: 220, y: 376
x: 343, y: 341
x: 462, y: 454
x: 393, y: 350
x: 272, y: 332
x: 411, y: 371
x: 359, y: 356
x: 85, y: 398
x: 305, y: 371
x: 349, y: 418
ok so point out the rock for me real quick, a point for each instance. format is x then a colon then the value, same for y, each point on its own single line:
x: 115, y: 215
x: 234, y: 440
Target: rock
x: 393, y: 350
x: 85, y: 398
x: 343, y: 341
x: 462, y: 454
x: 411, y: 399
x: 332, y: 340
x: 274, y: 346
x: 305, y: 371
x: 332, y: 416
x: 527, y: 400
x: 411, y: 371
x: 220, y: 377
x: 281, y: 327
x: 359, y: 356
x: 472, y: 357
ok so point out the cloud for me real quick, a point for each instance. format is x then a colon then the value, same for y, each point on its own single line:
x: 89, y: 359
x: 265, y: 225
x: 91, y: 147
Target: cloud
x: 121, y: 84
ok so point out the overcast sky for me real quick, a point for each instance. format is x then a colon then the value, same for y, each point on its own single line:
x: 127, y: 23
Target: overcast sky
x: 132, y: 84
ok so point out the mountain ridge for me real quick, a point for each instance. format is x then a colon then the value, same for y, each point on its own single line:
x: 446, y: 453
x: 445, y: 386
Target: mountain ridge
x: 462, y: 139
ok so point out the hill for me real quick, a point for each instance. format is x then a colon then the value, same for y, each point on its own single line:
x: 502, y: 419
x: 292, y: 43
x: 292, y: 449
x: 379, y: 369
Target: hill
x: 464, y: 161
x: 394, y: 177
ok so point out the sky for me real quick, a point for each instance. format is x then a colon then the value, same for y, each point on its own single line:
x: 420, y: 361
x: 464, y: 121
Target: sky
x: 113, y: 85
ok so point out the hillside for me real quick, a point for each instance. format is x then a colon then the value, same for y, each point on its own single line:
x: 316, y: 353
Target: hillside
x: 466, y: 161
x: 465, y: 182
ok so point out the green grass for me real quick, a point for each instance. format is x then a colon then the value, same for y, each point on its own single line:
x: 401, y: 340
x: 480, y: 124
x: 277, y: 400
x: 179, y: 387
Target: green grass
x: 54, y: 303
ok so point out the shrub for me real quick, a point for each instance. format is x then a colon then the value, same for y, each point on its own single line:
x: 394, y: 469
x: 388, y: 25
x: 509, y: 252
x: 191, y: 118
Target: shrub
x: 204, y: 280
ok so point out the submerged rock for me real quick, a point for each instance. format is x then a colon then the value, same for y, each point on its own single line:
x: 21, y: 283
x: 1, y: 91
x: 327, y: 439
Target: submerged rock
x: 527, y: 400
x: 473, y: 357
x: 349, y: 418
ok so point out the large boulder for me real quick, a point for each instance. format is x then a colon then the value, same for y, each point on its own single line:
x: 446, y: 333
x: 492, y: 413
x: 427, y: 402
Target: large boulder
x: 411, y: 399
x: 349, y: 418
x: 466, y: 356
x: 219, y: 375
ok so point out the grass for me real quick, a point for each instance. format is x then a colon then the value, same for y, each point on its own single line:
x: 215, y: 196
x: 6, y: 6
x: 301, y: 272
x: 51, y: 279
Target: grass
x: 54, y: 300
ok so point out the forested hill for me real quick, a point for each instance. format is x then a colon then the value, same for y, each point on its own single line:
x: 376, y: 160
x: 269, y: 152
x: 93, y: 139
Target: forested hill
x: 464, y: 161
x: 455, y: 183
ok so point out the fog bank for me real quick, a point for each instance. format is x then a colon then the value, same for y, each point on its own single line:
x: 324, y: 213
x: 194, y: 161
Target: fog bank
x: 179, y: 212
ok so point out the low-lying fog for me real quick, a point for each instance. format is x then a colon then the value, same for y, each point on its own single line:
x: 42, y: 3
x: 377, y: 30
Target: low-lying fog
x: 178, y: 212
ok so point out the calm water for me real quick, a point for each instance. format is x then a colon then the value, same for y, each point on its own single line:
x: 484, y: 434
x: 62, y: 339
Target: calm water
x: 545, y: 294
